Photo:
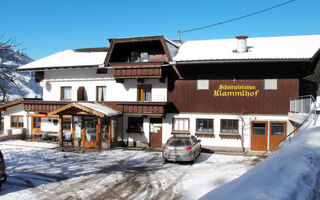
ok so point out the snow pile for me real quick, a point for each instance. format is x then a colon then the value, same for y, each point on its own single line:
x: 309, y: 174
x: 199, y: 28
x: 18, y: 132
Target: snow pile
x: 290, y: 173
x: 25, y: 81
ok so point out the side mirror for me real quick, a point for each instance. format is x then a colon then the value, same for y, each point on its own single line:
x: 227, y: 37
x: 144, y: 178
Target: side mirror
x: 199, y: 140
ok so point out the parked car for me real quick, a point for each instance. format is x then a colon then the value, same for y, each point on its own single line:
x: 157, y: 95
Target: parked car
x: 3, y: 174
x: 181, y: 148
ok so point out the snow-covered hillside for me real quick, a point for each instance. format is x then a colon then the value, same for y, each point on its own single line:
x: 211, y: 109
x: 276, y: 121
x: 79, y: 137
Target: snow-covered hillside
x: 291, y: 173
x: 25, y: 81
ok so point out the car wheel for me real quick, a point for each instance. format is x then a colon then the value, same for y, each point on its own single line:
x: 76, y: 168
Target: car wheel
x: 194, y: 159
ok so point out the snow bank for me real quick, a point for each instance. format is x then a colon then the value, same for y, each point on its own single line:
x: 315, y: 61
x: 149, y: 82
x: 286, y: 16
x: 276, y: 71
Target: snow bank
x: 290, y: 173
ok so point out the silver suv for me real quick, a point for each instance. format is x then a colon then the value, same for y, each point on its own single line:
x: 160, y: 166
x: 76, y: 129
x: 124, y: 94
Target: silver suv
x: 181, y: 148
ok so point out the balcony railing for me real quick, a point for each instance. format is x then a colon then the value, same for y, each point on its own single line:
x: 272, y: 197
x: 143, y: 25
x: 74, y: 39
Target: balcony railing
x: 144, y: 108
x: 302, y: 104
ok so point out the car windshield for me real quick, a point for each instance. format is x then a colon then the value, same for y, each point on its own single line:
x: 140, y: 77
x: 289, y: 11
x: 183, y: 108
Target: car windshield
x: 178, y: 142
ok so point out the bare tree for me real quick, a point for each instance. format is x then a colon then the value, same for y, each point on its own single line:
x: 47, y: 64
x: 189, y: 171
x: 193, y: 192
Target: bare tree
x: 245, y: 122
x: 7, y: 78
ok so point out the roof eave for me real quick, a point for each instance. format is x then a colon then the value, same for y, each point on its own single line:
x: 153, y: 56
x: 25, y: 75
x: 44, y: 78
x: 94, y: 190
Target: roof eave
x: 58, y: 68
x: 234, y: 61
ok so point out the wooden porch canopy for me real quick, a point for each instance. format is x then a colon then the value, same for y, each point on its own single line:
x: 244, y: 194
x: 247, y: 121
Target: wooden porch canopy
x: 96, y: 109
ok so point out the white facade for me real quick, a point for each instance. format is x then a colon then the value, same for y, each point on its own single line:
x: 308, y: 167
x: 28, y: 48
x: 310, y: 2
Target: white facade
x: 88, y: 78
x: 17, y: 110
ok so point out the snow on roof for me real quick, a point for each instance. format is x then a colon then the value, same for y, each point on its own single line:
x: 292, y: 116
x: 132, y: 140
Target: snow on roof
x: 68, y: 58
x: 101, y: 108
x: 290, y: 47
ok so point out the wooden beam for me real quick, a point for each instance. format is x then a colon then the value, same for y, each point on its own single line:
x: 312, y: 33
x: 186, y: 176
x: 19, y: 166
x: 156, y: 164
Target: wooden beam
x: 120, y: 80
x: 140, y: 80
x: 109, y: 135
x: 60, y: 131
x: 177, y: 71
x: 99, y: 133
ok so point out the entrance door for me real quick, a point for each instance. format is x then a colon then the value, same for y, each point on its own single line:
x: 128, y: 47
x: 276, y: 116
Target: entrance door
x: 89, y: 132
x: 278, y: 131
x: 155, y: 132
x: 36, y: 125
x: 259, y: 136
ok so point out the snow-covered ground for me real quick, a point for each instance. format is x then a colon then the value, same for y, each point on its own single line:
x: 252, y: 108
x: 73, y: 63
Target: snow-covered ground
x: 291, y: 173
x: 38, y: 172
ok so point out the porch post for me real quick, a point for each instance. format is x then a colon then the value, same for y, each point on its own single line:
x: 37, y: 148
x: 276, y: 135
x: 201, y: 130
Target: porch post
x: 99, y: 133
x: 72, y: 130
x: 61, y: 131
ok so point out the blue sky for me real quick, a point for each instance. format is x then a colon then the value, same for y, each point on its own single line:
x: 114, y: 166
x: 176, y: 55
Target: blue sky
x: 45, y: 27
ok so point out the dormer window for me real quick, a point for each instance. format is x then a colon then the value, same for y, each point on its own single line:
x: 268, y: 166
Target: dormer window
x: 144, y: 56
x: 136, y: 56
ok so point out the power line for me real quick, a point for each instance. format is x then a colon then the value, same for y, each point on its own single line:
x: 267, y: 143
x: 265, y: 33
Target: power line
x: 237, y: 18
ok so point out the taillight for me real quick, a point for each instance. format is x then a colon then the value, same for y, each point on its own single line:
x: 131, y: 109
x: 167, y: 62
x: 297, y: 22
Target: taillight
x: 188, y: 148
x: 165, y: 148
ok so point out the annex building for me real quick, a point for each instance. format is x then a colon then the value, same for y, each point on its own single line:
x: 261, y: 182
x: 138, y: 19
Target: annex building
x: 233, y: 94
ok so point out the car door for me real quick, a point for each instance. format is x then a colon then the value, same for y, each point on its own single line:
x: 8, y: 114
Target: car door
x: 195, y: 144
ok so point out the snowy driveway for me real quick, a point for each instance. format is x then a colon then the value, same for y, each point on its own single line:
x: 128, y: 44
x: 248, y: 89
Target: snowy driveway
x: 41, y: 173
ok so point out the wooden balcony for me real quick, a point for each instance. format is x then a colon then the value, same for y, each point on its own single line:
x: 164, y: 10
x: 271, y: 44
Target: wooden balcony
x: 42, y: 106
x: 144, y: 108
x: 139, y: 70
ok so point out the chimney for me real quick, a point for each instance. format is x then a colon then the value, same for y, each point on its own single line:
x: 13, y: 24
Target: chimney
x: 241, y: 44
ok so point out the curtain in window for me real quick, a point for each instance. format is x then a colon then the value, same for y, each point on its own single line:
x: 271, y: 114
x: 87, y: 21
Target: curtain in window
x: 102, y: 93
x: 14, y: 121
x: 66, y: 93
x: 20, y: 121
x: 181, y: 124
x: 147, y: 94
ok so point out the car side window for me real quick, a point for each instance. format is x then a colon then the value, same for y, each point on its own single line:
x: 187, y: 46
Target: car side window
x: 194, y: 139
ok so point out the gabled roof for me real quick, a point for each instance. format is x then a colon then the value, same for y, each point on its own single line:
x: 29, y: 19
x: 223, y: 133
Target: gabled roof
x: 3, y: 107
x: 90, y: 108
x: 90, y: 57
x: 260, y: 48
x: 170, y: 47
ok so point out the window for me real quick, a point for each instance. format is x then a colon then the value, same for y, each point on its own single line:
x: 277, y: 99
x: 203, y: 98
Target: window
x: 204, y: 125
x: 36, y: 122
x: 229, y: 126
x: 144, y: 92
x: 180, y: 124
x: 278, y: 128
x: 66, y: 124
x: 134, y: 56
x: 135, y: 124
x: 202, y: 84
x: 259, y: 128
x: 270, y: 84
x: 16, y: 121
x: 65, y: 93
x: 144, y: 56
x: 101, y: 93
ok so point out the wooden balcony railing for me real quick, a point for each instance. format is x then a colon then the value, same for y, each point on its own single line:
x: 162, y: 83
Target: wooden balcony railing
x: 144, y: 108
x: 137, y: 70
x: 42, y: 106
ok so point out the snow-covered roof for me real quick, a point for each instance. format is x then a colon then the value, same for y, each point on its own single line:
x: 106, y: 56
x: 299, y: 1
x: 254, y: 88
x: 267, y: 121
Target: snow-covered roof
x: 101, y: 108
x: 68, y: 58
x: 290, y: 47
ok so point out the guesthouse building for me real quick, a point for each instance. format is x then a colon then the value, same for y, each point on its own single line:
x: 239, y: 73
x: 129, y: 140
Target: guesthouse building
x: 239, y: 94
